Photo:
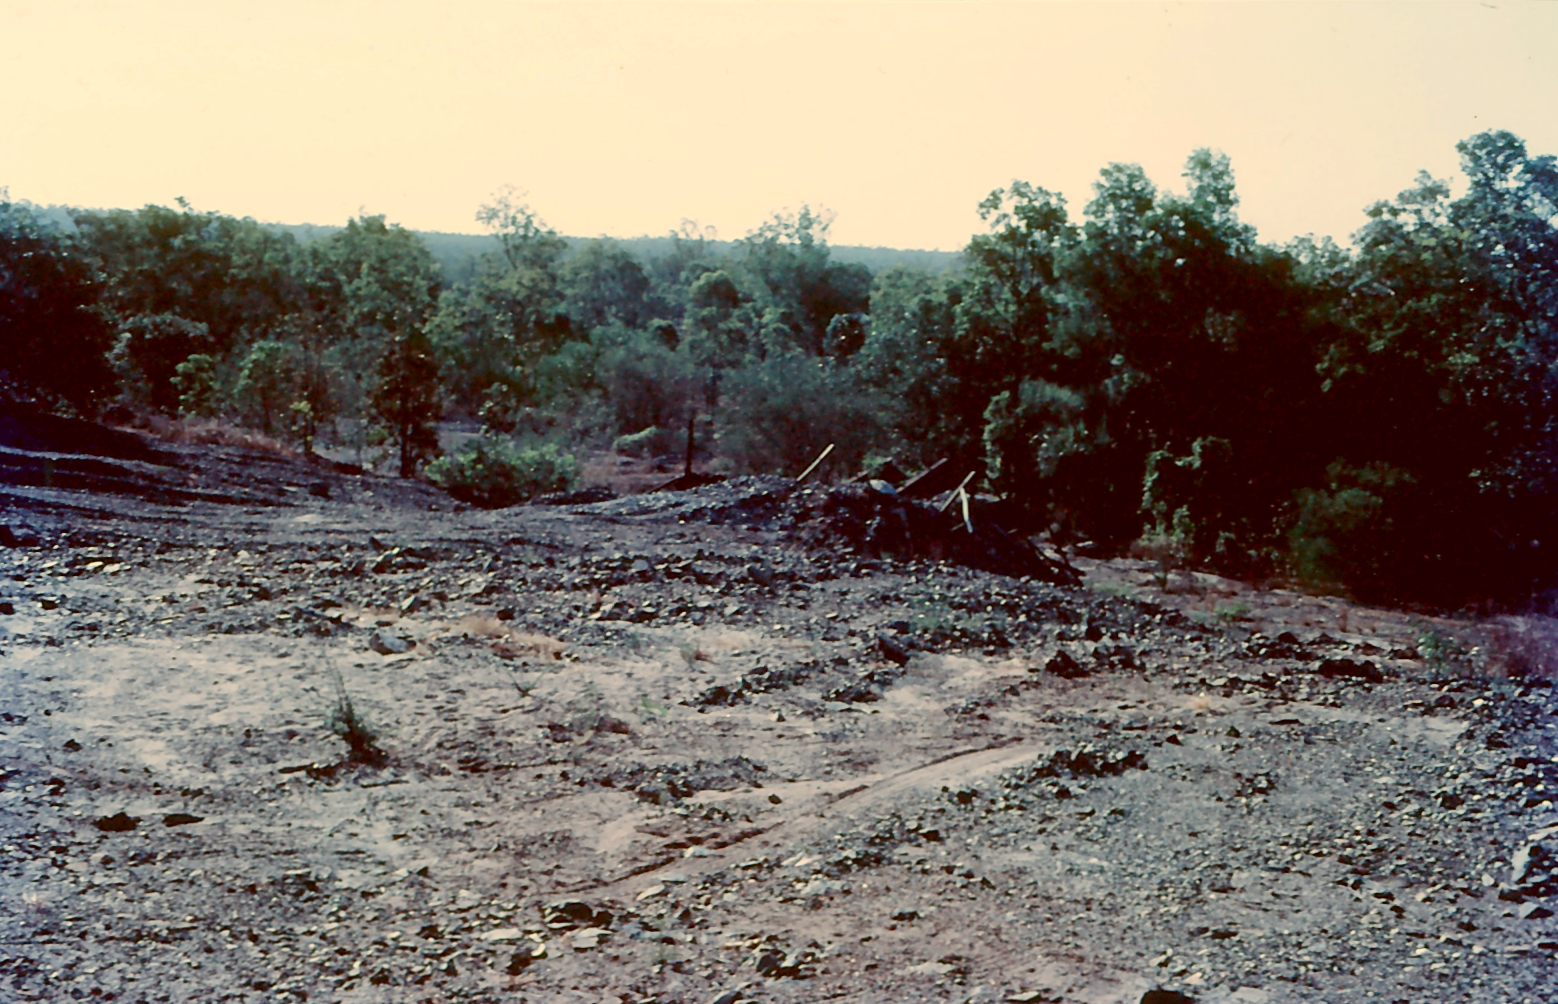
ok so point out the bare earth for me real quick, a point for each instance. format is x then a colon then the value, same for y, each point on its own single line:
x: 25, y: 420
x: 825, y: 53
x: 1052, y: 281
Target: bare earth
x: 664, y: 751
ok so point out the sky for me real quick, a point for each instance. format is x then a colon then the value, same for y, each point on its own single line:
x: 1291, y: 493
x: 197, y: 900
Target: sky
x: 627, y: 119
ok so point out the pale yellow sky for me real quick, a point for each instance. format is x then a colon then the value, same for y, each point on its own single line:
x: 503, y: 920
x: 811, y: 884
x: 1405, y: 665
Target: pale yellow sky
x: 625, y: 119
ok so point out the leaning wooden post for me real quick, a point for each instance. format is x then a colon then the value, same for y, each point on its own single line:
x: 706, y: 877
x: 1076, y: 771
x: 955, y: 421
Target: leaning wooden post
x: 815, y: 464
x: 954, y: 496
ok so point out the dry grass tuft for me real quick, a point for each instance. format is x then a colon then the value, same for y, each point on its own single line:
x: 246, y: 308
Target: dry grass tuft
x: 213, y: 432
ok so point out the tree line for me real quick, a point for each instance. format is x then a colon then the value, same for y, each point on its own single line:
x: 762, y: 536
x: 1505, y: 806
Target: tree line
x: 1377, y: 419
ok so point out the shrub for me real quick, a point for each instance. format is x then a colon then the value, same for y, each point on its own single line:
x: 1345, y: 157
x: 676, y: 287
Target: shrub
x: 1346, y: 535
x: 492, y: 472
x: 780, y: 413
x: 652, y: 442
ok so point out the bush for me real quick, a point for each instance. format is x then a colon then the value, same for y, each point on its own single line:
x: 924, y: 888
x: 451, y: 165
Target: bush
x: 493, y: 473
x: 652, y: 442
x: 780, y: 413
x: 1347, y: 535
x: 648, y: 383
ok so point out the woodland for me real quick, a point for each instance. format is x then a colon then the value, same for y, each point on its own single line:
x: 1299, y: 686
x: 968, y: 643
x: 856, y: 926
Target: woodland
x: 1375, y: 419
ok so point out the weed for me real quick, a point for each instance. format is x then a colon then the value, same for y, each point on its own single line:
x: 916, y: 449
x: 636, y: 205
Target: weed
x: 585, y: 711
x: 1238, y: 610
x: 346, y: 722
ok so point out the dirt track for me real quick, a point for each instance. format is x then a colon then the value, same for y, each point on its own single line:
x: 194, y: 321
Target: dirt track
x: 728, y: 762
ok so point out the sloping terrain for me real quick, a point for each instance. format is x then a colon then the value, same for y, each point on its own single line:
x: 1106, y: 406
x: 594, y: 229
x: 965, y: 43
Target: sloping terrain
x: 277, y: 733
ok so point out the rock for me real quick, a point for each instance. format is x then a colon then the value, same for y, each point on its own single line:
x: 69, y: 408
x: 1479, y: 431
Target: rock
x: 180, y: 819
x: 726, y: 997
x: 411, y: 604
x: 584, y: 496
x: 386, y: 644
x: 1534, y: 911
x: 117, y: 823
x: 1063, y: 665
x: 465, y: 899
x: 1352, y: 669
x: 616, y: 726
x: 775, y: 799
x: 589, y: 938
x: 320, y: 489
x: 71, y: 746
x: 503, y: 934
x: 891, y: 650
x: 1534, y: 868
x: 565, y: 913
x: 17, y: 536
x: 1166, y: 997
x: 7, y: 608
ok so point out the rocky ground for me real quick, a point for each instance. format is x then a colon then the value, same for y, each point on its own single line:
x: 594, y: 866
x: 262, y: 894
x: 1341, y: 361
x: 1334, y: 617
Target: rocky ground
x: 278, y: 731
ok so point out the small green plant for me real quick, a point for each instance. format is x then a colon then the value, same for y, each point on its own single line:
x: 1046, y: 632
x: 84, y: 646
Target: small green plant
x: 493, y: 473
x: 652, y: 442
x: 1238, y: 610
x: 346, y: 722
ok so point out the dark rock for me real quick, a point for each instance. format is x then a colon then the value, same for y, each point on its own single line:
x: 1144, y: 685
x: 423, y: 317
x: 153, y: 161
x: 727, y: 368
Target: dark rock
x: 17, y: 536
x: 1534, y: 911
x: 71, y: 746
x: 663, y: 784
x: 584, y: 496
x: 6, y: 607
x: 607, y: 723
x: 117, y: 823
x: 891, y: 650
x: 320, y: 489
x: 859, y: 692
x: 180, y: 819
x: 1166, y: 997
x: 1351, y: 669
x: 1063, y: 665
x: 560, y: 915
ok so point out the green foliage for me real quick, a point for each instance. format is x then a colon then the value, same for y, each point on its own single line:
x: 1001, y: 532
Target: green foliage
x: 651, y: 442
x: 47, y: 298
x: 198, y: 386
x: 490, y: 332
x: 147, y: 353
x: 492, y: 472
x: 1347, y: 534
x: 266, y: 380
x: 405, y: 398
x: 1380, y: 421
x: 780, y: 413
x: 648, y: 382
